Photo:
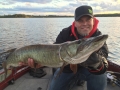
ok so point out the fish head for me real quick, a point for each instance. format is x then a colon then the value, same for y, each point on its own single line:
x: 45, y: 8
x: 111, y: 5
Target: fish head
x: 84, y: 48
x: 91, y: 44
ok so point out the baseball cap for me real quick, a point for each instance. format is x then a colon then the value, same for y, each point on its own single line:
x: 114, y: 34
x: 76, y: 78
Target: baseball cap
x: 83, y: 10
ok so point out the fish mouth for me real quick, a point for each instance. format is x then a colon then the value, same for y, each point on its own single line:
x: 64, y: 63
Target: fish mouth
x: 101, y: 38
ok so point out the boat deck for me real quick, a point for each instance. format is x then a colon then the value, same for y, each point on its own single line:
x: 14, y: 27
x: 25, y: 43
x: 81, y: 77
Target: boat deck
x: 27, y: 82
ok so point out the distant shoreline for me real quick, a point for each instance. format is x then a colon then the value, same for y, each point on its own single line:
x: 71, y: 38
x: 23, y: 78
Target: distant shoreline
x: 53, y: 16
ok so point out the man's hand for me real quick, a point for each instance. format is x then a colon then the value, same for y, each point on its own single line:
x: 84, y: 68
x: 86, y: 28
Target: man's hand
x: 94, y: 61
x: 31, y: 63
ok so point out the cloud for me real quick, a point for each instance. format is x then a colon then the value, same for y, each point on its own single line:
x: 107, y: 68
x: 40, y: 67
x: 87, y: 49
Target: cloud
x: 35, y: 9
x: 6, y: 2
x: 11, y: 2
x: 34, y: 1
x: 106, y: 6
x: 56, y: 6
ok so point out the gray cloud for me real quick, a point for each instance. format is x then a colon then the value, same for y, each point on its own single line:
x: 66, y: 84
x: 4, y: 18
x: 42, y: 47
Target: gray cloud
x: 34, y: 1
x: 109, y: 6
x: 65, y: 9
x: 36, y: 9
x: 7, y: 3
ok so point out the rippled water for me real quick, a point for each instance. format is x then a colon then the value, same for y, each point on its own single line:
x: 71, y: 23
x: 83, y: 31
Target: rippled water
x: 18, y: 32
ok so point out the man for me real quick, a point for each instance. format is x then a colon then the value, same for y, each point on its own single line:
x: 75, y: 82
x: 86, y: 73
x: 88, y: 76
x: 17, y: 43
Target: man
x: 92, y: 70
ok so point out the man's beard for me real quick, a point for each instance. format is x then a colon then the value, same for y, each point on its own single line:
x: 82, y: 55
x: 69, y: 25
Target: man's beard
x: 85, y: 34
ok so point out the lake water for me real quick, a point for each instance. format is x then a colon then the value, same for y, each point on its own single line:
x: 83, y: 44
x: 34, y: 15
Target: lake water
x: 18, y: 32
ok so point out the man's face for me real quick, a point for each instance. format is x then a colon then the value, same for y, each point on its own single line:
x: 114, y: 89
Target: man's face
x: 84, y: 25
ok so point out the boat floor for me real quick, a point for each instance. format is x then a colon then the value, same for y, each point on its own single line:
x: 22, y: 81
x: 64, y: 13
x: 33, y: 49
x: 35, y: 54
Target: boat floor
x: 27, y: 82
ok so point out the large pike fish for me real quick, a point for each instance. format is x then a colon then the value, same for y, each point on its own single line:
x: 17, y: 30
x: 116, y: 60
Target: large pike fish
x: 56, y: 55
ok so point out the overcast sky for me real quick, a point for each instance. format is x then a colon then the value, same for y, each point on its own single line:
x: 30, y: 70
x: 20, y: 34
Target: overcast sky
x: 56, y: 7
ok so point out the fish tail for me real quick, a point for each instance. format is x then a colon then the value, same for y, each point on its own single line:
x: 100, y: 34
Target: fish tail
x: 9, y: 51
x: 4, y: 65
x: 73, y: 67
x: 35, y: 68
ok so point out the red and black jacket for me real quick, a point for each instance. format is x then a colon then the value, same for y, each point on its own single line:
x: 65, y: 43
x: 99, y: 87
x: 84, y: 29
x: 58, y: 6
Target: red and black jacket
x: 70, y: 34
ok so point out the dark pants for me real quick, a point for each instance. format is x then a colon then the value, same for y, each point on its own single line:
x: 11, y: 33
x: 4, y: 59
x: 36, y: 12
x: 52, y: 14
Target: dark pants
x: 66, y: 81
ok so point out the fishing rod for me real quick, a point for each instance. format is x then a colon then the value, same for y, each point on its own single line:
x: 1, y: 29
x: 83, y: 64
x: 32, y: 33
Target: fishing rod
x: 113, y: 77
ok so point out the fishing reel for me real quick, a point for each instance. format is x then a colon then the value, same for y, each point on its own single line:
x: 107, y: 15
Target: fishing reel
x: 113, y: 78
x: 37, y: 72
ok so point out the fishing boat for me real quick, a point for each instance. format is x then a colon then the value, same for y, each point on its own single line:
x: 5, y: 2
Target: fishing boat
x: 22, y: 80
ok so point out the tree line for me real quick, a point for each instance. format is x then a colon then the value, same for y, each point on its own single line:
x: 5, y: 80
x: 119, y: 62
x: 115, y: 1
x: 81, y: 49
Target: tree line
x: 53, y: 16
x: 29, y: 16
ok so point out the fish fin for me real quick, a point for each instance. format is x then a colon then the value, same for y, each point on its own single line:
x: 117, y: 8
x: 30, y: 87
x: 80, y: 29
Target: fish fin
x: 9, y: 51
x: 73, y: 67
x: 35, y: 68
x: 5, y: 55
x: 13, y: 68
x: 61, y: 69
x: 4, y: 65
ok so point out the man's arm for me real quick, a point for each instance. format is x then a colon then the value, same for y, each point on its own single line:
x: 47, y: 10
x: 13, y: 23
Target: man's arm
x: 62, y: 37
